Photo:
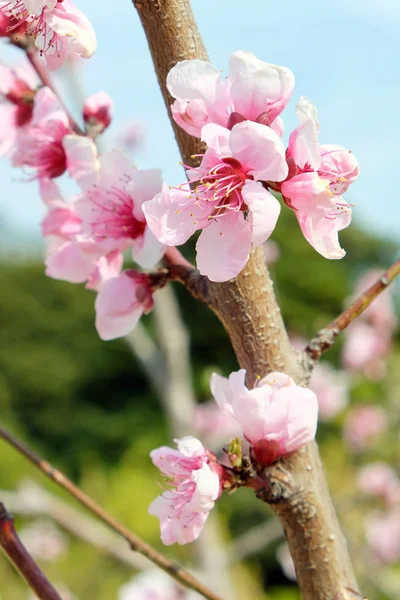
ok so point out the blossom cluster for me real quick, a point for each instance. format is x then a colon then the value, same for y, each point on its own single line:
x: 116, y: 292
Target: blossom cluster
x: 275, y: 418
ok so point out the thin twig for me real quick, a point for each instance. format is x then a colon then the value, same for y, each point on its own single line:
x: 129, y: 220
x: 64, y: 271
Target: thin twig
x: 42, y: 73
x: 22, y: 560
x: 137, y: 544
x: 326, y: 337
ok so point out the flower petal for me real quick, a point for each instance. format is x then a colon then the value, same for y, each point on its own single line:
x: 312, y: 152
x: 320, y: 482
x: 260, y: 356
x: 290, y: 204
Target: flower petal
x: 264, y: 210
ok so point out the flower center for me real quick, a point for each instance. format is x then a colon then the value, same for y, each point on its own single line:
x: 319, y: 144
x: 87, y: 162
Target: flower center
x: 113, y: 214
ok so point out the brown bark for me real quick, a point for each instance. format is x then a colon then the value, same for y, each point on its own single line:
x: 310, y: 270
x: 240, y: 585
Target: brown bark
x: 247, y: 307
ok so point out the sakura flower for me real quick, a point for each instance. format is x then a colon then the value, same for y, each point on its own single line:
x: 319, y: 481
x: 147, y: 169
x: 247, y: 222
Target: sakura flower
x: 364, y: 424
x: 48, y: 146
x: 111, y: 207
x: 254, y: 90
x: 154, y: 585
x: 383, y: 536
x: 17, y: 91
x: 378, y: 479
x: 59, y: 27
x: 331, y: 389
x: 318, y: 175
x: 365, y: 348
x: 120, y: 303
x: 277, y: 416
x: 97, y: 112
x: 223, y: 199
x: 43, y: 540
x: 194, y: 486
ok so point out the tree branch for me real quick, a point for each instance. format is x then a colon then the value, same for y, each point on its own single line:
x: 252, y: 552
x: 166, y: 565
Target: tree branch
x: 326, y: 337
x: 22, y: 560
x: 137, y: 544
x: 248, y: 309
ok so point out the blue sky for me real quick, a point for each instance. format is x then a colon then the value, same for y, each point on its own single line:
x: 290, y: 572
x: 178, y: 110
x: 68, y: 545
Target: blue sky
x: 345, y: 56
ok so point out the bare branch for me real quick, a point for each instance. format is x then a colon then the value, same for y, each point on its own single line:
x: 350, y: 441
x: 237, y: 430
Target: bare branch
x: 137, y: 544
x: 326, y: 337
x: 22, y: 560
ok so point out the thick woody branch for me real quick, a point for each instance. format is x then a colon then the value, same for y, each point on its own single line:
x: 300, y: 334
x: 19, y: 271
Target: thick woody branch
x: 22, y: 560
x: 137, y: 544
x: 248, y: 309
x: 326, y: 337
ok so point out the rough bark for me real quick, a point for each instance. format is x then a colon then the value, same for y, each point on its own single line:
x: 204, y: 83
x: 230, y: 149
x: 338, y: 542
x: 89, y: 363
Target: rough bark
x: 295, y: 488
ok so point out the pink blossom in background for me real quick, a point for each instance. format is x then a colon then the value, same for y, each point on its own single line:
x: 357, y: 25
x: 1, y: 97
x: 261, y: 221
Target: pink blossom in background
x: 194, y: 486
x: 111, y: 207
x: 59, y: 27
x: 131, y: 136
x: 43, y: 540
x: 331, y: 389
x: 254, y: 90
x: 318, y: 175
x: 120, y: 302
x: 378, y: 479
x: 277, y: 416
x: 383, y: 536
x: 286, y: 561
x: 381, y: 312
x: 17, y: 91
x: 364, y: 349
x: 154, y: 585
x: 97, y: 112
x: 225, y: 188
x: 214, y: 425
x: 363, y: 426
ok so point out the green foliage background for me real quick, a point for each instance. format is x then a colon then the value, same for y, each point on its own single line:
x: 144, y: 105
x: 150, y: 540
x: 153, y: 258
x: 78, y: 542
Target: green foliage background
x: 85, y: 405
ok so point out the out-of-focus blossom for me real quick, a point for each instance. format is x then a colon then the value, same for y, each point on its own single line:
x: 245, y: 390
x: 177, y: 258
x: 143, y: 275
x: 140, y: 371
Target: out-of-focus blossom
x: 59, y: 27
x: 381, y: 312
x: 277, y: 416
x: 318, y: 175
x: 154, y: 585
x: 120, y: 303
x: 43, y: 540
x: 271, y: 252
x: 131, y: 136
x: 111, y: 207
x: 254, y: 90
x: 378, y: 479
x: 286, y: 561
x: 97, y: 113
x: 383, y: 536
x: 214, y: 425
x: 365, y: 348
x: 363, y: 425
x: 331, y: 389
x: 226, y: 202
x: 17, y: 91
x: 194, y: 486
x: 42, y: 145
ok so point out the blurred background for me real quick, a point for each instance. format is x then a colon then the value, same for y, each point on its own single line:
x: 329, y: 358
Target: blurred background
x: 96, y: 409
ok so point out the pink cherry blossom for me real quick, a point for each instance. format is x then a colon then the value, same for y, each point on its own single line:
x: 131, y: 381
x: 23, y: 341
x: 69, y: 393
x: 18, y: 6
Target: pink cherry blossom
x: 120, y: 303
x: 363, y: 425
x: 97, y: 113
x: 277, y: 416
x: 111, y: 207
x: 254, y: 90
x: 383, y: 536
x: 17, y: 91
x: 378, y: 479
x: 59, y: 27
x: 331, y: 389
x: 214, y: 425
x: 226, y: 202
x: 154, y: 584
x: 194, y: 486
x: 318, y: 175
x: 43, y: 540
x: 381, y: 312
x: 364, y: 349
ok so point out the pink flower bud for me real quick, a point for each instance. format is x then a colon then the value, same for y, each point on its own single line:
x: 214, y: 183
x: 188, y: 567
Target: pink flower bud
x: 277, y: 416
x: 97, y: 112
x: 364, y: 424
